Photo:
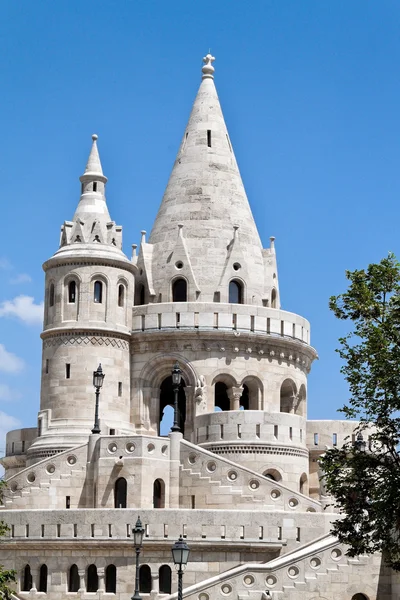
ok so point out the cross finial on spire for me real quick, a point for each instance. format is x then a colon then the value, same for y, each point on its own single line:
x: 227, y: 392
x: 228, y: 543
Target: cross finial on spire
x: 208, y: 69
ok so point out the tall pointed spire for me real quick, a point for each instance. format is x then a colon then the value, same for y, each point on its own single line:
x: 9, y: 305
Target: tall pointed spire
x: 93, y: 167
x: 91, y: 223
x: 92, y: 203
x: 205, y: 192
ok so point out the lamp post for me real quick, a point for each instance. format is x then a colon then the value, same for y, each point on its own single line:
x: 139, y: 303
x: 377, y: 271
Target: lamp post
x: 138, y: 532
x: 176, y: 382
x: 180, y: 555
x: 98, y: 377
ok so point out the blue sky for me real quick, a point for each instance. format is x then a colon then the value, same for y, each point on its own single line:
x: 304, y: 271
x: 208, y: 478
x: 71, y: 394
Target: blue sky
x: 311, y: 95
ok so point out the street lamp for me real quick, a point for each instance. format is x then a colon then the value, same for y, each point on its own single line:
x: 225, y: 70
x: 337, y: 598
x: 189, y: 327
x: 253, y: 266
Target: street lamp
x: 180, y: 555
x: 98, y: 377
x: 176, y: 382
x: 138, y: 532
x: 360, y: 443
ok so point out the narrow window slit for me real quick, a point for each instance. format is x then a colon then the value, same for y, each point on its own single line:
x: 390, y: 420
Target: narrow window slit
x: 209, y: 138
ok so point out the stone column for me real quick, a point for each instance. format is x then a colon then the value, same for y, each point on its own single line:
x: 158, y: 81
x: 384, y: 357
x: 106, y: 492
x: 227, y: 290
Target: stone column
x: 189, y: 396
x: 101, y: 575
x: 81, y: 573
x: 154, y: 585
x: 234, y: 395
x: 174, y: 464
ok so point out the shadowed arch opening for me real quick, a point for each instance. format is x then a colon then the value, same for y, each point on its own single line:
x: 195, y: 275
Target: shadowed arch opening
x: 73, y: 579
x: 179, y: 290
x: 164, y: 578
x: 359, y: 597
x: 253, y: 387
x: 26, y: 579
x: 111, y: 579
x: 92, y: 580
x: 98, y: 292
x: 288, y: 396
x: 120, y: 493
x: 51, y: 295
x: 221, y: 398
x: 245, y: 398
x: 273, y: 298
x: 300, y: 407
x: 121, y: 295
x: 235, y: 292
x: 145, y: 579
x: 303, y: 484
x: 43, y: 579
x: 167, y: 400
x: 273, y: 474
x: 159, y: 494
x: 72, y: 292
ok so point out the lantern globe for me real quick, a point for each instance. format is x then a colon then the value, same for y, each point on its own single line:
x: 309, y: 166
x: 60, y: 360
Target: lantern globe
x: 176, y: 374
x: 180, y: 553
x: 138, y: 532
x: 98, y: 377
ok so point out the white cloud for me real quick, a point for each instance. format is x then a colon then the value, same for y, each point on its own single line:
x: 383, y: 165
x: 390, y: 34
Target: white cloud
x: 24, y: 308
x: 7, y: 394
x: 21, y: 278
x: 9, y: 362
x: 5, y: 264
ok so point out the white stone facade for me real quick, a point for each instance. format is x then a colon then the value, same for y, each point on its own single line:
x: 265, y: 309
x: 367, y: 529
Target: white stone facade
x: 241, y: 482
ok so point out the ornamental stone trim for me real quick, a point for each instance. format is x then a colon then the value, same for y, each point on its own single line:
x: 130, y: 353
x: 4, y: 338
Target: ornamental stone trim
x: 85, y: 340
x: 257, y: 449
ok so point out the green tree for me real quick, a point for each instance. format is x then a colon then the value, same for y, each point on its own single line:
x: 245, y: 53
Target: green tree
x: 6, y: 576
x: 364, y: 477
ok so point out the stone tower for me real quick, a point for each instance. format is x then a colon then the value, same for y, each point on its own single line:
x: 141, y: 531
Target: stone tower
x: 210, y: 300
x: 89, y: 289
x: 237, y: 476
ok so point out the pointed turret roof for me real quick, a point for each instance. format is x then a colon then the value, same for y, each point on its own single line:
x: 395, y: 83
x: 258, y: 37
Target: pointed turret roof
x: 93, y: 167
x: 205, y: 193
x: 91, y: 231
x: 92, y: 203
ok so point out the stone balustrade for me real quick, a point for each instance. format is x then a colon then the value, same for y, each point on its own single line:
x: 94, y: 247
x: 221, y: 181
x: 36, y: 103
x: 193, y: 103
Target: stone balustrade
x: 220, y: 317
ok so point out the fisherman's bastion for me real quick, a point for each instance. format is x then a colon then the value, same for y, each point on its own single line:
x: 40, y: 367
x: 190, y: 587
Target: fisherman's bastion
x: 237, y: 477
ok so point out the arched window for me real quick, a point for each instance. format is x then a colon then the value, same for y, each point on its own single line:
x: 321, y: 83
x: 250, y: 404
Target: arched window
x: 73, y: 579
x: 221, y: 398
x: 51, y: 295
x: 166, y: 401
x: 120, y: 493
x: 179, y: 290
x: 359, y: 597
x: 26, y: 579
x: 111, y: 579
x: 121, y: 295
x: 159, y: 494
x: 92, y: 580
x: 273, y: 474
x: 164, y: 579
x: 145, y: 579
x: 235, y: 292
x: 43, y: 579
x: 72, y: 292
x: 273, y: 298
x: 288, y: 397
x: 98, y: 292
x: 303, y: 484
x: 244, y: 398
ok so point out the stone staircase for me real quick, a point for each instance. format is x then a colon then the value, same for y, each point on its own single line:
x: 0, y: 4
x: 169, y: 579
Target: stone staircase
x: 228, y: 483
x: 320, y: 567
x: 211, y: 493
x: 64, y: 473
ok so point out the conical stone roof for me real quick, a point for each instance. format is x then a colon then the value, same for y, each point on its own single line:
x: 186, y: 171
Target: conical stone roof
x: 205, y: 194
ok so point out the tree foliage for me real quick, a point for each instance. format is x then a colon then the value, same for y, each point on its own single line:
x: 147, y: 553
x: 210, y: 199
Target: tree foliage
x: 364, y: 477
x: 7, y: 576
